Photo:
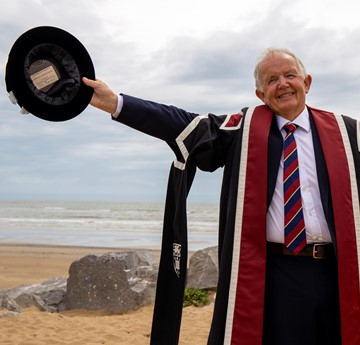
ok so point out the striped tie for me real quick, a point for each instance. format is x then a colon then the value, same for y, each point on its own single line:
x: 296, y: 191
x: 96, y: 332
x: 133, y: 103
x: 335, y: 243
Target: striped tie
x: 295, y: 234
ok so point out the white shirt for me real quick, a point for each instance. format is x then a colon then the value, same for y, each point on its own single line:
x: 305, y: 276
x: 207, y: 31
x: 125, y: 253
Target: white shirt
x: 119, y: 106
x: 316, y: 226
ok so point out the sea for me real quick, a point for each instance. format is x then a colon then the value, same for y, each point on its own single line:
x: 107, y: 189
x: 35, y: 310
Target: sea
x: 108, y: 224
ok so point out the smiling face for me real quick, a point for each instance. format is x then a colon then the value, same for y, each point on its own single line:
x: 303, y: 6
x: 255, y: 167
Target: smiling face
x: 283, y: 85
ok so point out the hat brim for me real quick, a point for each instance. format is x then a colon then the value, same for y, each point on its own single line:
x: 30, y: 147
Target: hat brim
x: 70, y: 96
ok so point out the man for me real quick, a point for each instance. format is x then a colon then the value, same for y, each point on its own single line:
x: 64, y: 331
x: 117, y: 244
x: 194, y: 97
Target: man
x: 289, y: 232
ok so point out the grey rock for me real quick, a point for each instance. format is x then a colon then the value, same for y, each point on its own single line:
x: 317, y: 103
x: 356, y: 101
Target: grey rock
x: 47, y: 296
x: 203, y: 269
x: 9, y: 304
x: 116, y: 282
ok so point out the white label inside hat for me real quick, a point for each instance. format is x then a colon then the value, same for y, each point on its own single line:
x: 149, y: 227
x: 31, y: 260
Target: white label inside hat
x: 44, y: 78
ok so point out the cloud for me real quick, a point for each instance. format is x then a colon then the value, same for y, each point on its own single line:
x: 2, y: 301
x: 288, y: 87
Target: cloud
x: 196, y: 55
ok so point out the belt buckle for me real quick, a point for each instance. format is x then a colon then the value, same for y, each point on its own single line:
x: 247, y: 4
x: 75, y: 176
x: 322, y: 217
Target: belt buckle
x: 315, y: 251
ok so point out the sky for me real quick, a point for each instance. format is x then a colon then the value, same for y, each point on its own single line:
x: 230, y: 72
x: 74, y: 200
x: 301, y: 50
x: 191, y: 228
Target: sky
x: 198, y: 55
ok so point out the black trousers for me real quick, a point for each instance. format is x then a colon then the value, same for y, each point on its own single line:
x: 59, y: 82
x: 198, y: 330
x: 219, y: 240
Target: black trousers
x: 301, y: 301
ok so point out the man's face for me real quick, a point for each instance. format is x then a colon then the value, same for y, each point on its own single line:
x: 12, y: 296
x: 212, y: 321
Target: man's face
x: 284, y: 86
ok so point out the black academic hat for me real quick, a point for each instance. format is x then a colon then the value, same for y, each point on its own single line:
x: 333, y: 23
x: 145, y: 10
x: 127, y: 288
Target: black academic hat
x: 44, y: 72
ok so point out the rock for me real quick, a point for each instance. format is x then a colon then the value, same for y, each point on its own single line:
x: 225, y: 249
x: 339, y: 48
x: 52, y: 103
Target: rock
x: 116, y: 282
x: 47, y: 296
x: 9, y: 304
x: 203, y: 269
x: 8, y: 307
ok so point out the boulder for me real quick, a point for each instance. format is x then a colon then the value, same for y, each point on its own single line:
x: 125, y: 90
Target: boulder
x: 203, y: 269
x: 116, y: 282
x: 8, y: 307
x: 47, y: 296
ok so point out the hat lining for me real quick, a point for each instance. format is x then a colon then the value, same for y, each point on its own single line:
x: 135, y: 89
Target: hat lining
x: 65, y: 89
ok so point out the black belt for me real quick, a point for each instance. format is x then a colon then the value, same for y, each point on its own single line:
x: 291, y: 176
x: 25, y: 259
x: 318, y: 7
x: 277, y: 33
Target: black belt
x: 315, y: 250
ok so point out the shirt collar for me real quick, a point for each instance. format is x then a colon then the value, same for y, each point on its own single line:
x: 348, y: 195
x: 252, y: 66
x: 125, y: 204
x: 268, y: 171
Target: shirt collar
x: 302, y: 120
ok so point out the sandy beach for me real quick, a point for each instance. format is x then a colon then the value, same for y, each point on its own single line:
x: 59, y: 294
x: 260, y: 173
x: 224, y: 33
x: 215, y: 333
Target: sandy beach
x: 34, y: 264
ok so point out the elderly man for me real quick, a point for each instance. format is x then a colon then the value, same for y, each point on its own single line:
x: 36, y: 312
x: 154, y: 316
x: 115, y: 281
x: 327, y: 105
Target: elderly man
x: 289, y: 228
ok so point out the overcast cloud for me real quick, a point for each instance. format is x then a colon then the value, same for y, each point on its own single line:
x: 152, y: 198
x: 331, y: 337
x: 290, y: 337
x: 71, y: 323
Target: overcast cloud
x: 198, y: 55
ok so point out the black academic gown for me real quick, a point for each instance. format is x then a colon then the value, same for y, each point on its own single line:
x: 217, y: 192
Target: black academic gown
x: 167, y: 123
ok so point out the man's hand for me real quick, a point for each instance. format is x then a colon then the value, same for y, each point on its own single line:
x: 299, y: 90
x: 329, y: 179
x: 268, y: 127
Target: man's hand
x: 103, y: 98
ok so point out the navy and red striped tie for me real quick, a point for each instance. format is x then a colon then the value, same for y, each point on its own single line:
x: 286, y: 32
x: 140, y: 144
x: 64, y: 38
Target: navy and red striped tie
x: 295, y: 234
